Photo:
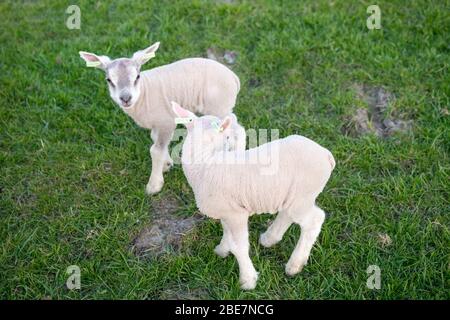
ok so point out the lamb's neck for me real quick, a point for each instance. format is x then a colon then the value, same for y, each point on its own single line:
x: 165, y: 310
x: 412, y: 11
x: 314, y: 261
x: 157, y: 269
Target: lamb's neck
x: 196, y: 160
x: 196, y: 155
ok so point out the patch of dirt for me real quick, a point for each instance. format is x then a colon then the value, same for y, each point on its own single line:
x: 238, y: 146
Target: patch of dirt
x: 165, y: 207
x: 26, y: 198
x: 166, y: 231
x: 373, y: 119
x: 359, y: 123
x: 223, y: 56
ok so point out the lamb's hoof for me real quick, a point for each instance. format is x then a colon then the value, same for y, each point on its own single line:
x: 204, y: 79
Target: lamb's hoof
x: 293, y: 269
x: 168, y: 165
x: 267, y: 241
x: 154, y: 187
x: 249, y: 282
x: 221, y: 251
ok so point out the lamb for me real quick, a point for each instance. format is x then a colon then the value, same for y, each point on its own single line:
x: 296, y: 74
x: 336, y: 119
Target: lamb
x: 202, y: 85
x: 230, y: 187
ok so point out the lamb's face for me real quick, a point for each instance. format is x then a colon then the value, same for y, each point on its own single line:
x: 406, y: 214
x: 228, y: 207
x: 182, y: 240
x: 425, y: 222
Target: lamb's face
x: 122, y: 74
x: 123, y: 78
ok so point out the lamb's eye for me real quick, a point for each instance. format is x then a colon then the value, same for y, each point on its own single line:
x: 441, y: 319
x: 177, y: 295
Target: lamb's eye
x: 109, y: 81
x: 137, y: 78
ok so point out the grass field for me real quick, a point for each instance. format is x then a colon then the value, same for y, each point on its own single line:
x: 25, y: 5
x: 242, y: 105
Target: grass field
x: 73, y: 166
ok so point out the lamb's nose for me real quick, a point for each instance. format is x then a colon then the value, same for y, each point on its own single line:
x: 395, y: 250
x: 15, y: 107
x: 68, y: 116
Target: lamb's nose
x: 125, y: 97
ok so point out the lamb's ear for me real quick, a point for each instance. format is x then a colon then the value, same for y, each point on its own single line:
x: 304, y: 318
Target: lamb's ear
x: 92, y: 60
x: 183, y: 116
x: 142, y: 56
x: 226, y: 123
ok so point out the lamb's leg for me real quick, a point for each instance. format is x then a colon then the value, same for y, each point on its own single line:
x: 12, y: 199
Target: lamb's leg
x: 239, y: 246
x: 161, y: 160
x: 223, y: 248
x: 276, y: 230
x: 310, y: 222
x: 168, y: 162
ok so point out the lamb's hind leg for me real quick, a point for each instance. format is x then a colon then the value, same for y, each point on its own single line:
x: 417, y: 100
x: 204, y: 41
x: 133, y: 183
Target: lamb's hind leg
x: 161, y: 160
x: 239, y: 246
x: 276, y: 230
x: 310, y: 222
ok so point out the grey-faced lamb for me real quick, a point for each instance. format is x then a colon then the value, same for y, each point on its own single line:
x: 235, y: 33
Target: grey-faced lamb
x: 202, y: 85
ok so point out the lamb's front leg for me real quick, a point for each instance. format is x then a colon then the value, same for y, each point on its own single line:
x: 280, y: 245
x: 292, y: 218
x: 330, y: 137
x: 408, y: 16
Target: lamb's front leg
x: 161, y: 160
x: 239, y: 246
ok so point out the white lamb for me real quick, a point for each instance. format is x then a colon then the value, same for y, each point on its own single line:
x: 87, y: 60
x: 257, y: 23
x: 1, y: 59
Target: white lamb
x: 230, y: 187
x: 202, y: 85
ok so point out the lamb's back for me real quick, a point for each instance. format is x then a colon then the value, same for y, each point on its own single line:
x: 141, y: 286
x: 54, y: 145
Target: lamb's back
x: 287, y: 169
x: 189, y: 81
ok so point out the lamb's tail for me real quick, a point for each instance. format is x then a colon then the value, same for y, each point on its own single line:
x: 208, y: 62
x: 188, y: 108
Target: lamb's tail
x: 238, y: 82
x: 331, y: 160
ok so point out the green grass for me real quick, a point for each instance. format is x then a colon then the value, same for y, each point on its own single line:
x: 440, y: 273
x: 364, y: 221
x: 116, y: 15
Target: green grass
x: 73, y: 167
